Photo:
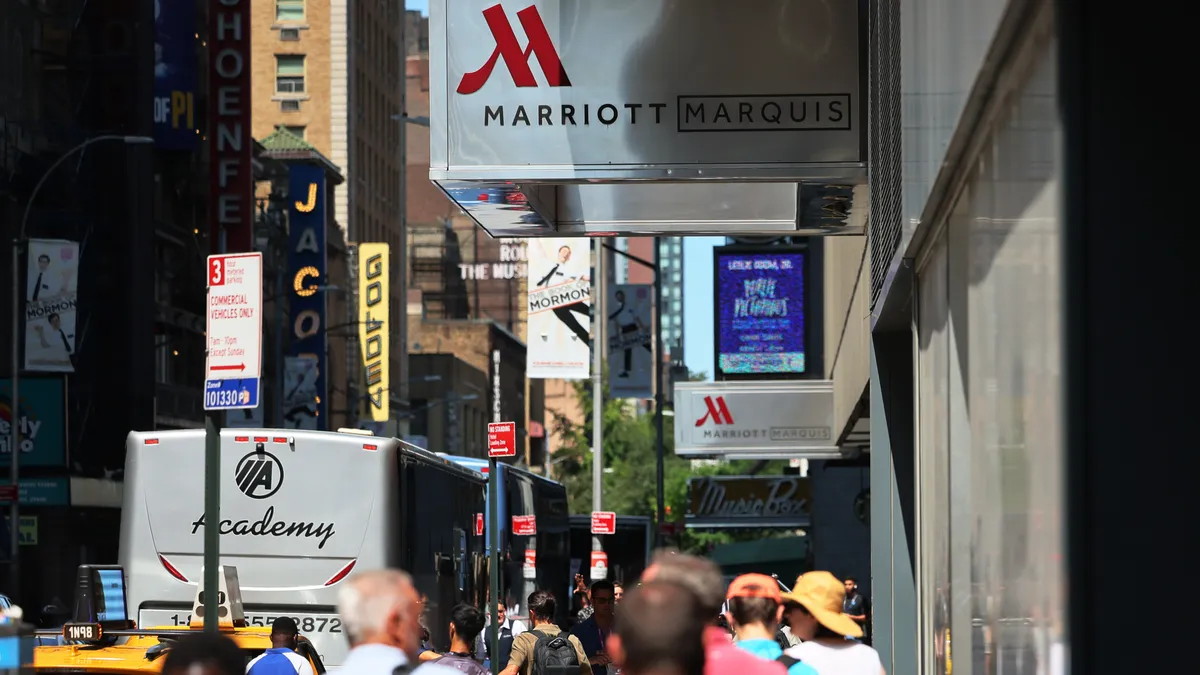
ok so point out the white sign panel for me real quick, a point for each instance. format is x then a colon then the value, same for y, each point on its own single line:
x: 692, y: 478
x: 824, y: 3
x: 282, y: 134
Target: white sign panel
x: 233, y: 365
x: 630, y: 341
x: 743, y: 420
x: 51, y: 295
x: 559, y: 296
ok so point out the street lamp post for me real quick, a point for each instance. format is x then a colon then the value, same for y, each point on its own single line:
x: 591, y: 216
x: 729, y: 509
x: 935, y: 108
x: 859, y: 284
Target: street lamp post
x: 659, y: 394
x: 14, y: 441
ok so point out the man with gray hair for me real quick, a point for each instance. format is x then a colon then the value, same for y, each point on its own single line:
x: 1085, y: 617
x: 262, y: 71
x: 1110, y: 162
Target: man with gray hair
x: 380, y: 613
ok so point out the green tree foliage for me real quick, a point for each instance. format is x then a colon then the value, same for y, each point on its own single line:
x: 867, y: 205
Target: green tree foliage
x: 629, y: 459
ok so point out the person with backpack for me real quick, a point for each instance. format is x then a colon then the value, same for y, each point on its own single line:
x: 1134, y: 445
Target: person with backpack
x: 755, y: 610
x: 544, y: 649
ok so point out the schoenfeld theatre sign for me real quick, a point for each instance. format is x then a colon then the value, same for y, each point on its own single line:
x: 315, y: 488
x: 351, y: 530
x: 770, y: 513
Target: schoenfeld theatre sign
x: 611, y: 91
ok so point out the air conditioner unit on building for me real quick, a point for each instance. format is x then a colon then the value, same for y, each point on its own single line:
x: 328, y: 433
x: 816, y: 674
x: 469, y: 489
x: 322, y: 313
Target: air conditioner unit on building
x: 289, y: 34
x: 289, y: 105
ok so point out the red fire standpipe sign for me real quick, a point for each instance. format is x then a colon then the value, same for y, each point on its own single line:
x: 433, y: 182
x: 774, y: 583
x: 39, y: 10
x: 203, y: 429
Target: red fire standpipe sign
x: 599, y: 565
x: 530, y: 568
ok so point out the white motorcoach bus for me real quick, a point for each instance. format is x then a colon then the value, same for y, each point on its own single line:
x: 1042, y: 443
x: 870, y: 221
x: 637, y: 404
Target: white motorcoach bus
x: 300, y: 512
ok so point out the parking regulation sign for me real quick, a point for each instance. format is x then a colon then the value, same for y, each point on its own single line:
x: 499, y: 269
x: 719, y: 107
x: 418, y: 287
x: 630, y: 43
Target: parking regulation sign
x: 233, y: 362
x: 604, y: 522
x: 502, y: 439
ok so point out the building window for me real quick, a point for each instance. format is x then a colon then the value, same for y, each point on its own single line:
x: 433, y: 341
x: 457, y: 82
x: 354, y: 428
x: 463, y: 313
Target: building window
x: 289, y: 10
x: 297, y: 130
x: 289, y: 73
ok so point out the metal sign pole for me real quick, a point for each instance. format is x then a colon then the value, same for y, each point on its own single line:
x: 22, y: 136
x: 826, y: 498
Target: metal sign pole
x: 493, y: 539
x: 212, y: 517
x: 212, y: 495
x: 493, y: 528
x: 599, y: 323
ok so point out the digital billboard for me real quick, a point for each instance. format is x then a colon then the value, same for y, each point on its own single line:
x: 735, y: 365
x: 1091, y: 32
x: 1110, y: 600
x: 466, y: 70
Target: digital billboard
x: 761, y: 310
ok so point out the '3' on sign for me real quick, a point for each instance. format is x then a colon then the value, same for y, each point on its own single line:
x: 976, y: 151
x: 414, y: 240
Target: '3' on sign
x: 216, y: 271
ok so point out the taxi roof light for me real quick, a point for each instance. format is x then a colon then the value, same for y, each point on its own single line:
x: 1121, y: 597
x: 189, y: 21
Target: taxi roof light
x: 229, y: 600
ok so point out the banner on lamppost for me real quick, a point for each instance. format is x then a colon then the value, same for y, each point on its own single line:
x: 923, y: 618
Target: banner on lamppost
x: 51, y: 298
x: 631, y: 341
x: 559, y: 318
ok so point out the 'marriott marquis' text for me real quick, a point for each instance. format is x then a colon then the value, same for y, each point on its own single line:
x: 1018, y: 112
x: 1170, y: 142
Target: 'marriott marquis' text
x: 563, y: 114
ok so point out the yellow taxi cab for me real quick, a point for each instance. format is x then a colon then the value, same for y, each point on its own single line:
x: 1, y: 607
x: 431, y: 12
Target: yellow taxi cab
x: 102, y: 640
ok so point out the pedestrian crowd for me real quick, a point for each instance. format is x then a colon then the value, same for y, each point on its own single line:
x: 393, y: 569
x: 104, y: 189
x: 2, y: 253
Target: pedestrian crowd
x: 681, y: 618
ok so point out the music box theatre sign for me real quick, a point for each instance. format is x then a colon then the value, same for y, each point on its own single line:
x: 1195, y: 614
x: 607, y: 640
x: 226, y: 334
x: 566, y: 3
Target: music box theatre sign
x: 744, y: 501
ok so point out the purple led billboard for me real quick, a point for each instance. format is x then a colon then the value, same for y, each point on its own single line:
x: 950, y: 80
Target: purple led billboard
x: 760, y: 312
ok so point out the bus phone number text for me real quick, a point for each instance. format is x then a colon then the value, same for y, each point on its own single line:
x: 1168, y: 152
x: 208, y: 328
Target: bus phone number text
x: 307, y: 624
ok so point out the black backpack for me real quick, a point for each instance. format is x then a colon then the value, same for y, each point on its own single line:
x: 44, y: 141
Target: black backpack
x: 787, y: 661
x: 553, y: 655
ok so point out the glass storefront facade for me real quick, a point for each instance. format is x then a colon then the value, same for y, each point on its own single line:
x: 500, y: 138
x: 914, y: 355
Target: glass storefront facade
x: 970, y: 564
x: 989, y: 407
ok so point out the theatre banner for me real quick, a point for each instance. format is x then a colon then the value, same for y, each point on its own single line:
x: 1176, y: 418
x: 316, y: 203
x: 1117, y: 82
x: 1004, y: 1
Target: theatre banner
x: 630, y: 310
x: 560, y: 304
x: 51, y: 298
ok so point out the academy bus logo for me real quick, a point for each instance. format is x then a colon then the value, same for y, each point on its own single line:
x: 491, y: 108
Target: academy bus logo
x: 259, y: 475
x: 515, y: 58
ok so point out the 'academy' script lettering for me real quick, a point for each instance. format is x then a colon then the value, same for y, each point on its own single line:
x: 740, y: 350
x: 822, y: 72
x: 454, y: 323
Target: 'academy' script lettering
x: 265, y: 527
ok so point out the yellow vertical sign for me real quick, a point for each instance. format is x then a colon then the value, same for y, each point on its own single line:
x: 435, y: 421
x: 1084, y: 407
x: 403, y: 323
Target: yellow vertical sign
x: 374, y: 292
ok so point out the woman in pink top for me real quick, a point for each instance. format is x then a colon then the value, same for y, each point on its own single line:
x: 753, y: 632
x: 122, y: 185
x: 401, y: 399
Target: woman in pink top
x: 703, y: 579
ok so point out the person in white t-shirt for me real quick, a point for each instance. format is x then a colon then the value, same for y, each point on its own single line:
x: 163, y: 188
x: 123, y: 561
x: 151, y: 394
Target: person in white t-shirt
x: 829, y: 636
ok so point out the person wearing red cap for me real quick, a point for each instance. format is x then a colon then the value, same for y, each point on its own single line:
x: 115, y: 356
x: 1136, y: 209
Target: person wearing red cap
x: 755, y: 610
x: 703, y: 580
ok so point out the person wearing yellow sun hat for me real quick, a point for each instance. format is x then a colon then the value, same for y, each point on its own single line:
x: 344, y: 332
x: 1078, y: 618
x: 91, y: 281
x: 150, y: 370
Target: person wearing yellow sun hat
x: 814, y: 611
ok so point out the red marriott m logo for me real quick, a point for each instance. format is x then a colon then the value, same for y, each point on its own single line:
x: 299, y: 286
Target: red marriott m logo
x: 716, y: 410
x: 515, y: 58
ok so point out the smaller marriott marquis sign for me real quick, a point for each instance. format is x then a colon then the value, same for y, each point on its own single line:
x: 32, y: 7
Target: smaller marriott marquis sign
x: 754, y: 419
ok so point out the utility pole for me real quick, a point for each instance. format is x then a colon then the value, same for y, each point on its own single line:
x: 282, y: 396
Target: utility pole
x: 599, y: 323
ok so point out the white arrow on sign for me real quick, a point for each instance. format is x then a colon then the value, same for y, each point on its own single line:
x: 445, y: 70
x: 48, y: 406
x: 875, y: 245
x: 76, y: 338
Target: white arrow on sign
x: 233, y: 363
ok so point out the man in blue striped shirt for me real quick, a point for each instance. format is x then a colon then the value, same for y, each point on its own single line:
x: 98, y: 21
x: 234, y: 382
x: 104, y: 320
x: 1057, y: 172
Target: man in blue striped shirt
x: 281, y: 658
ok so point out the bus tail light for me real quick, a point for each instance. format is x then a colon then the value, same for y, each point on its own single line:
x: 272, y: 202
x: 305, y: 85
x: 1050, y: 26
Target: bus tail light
x: 342, y: 573
x: 171, y: 569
